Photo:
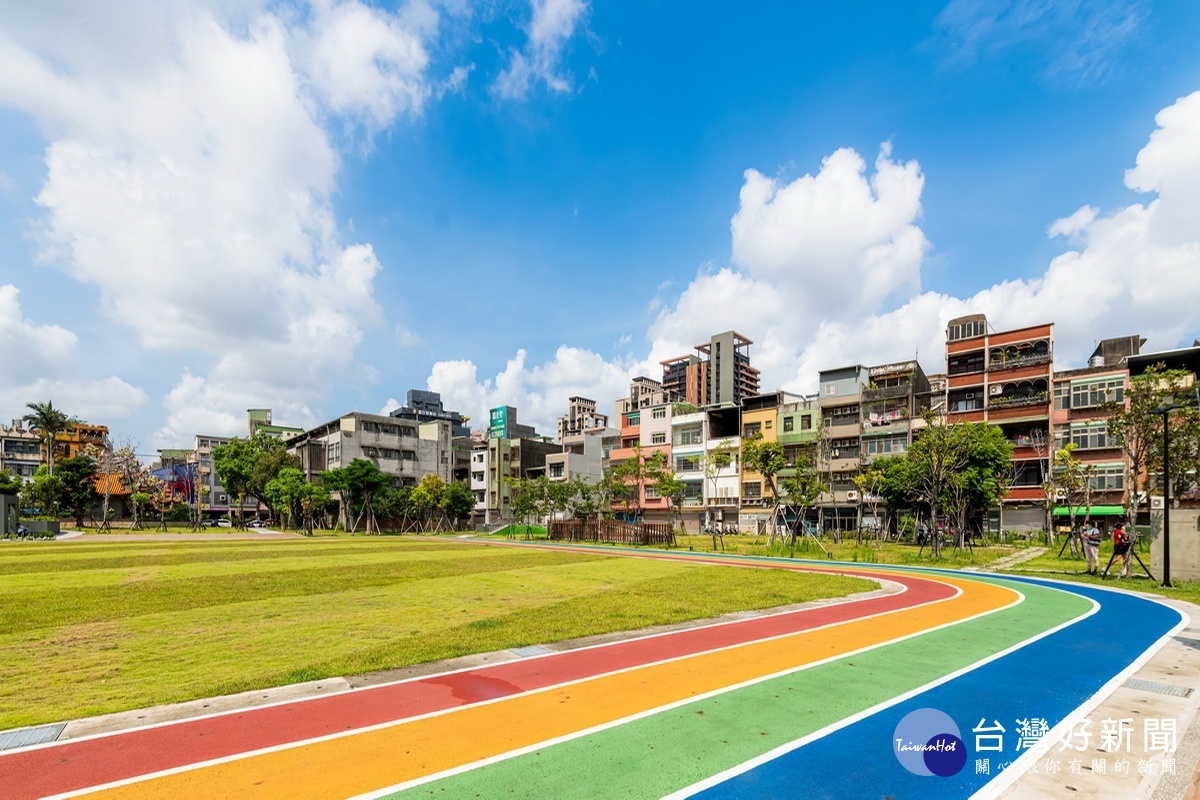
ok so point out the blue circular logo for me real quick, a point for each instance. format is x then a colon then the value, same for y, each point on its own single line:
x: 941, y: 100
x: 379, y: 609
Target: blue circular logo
x: 927, y: 742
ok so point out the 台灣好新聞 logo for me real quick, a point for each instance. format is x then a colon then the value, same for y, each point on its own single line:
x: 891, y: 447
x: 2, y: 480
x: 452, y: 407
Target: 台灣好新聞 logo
x: 927, y: 742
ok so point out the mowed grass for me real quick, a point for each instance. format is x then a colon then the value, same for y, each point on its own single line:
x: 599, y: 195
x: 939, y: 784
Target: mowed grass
x: 848, y: 550
x: 95, y: 627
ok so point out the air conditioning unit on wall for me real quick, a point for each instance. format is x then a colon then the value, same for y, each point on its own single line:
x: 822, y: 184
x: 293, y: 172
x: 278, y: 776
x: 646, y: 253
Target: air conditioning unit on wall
x: 851, y: 495
x: 1156, y: 504
x: 995, y: 389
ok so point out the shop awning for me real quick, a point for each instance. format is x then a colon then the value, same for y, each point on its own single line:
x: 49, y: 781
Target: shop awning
x: 1095, y: 511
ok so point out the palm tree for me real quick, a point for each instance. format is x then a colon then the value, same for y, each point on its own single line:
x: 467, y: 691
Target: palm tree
x: 49, y: 422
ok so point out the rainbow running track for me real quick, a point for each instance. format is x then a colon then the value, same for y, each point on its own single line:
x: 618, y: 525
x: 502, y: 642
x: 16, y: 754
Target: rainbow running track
x: 802, y: 703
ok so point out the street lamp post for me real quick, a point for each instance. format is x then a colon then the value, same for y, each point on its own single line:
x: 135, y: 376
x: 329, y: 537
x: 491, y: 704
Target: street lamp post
x: 1165, y: 411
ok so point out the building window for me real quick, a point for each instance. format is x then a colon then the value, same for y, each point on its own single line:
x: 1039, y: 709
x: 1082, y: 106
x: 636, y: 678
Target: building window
x: 749, y: 429
x: 788, y: 424
x: 1108, y: 478
x: 965, y: 364
x: 751, y: 490
x: 688, y: 435
x: 658, y: 413
x: 556, y: 470
x: 687, y: 463
x: 1090, y: 436
x: 1090, y: 395
x: 806, y: 422
x: 658, y: 437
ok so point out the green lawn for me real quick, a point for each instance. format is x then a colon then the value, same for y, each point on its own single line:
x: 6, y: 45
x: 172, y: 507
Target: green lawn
x: 1049, y: 565
x: 849, y: 551
x: 90, y: 627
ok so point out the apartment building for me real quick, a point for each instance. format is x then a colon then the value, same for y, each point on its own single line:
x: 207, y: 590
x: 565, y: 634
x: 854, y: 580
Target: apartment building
x: 20, y: 450
x: 644, y: 429
x: 892, y: 403
x: 840, y: 400
x: 719, y: 372
x: 689, y: 435
x: 723, y: 487
x: 581, y: 418
x: 1078, y: 417
x: 405, y: 450
x: 425, y: 406
x: 1004, y: 378
x: 760, y: 417
x: 507, y: 461
x: 258, y: 420
x: 212, y: 495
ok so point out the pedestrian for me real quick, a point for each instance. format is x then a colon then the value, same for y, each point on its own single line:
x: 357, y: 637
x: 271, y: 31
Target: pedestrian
x: 1123, y: 546
x: 1091, y: 548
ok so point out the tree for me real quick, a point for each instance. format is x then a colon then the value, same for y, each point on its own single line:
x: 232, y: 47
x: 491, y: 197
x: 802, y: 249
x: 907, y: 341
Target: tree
x: 428, y: 498
x: 799, y: 491
x: 271, y: 457
x: 528, y: 498
x: 296, y: 496
x: 49, y: 422
x: 983, y: 478
x: 1074, y: 482
x: 634, y: 474
x: 937, y: 455
x: 77, y: 479
x: 357, y: 484
x: 43, y: 492
x: 715, y: 462
x: 234, y: 463
x: 1137, y: 430
x: 868, y: 483
x: 672, y: 488
x: 767, y: 459
x: 9, y: 483
x: 459, y: 502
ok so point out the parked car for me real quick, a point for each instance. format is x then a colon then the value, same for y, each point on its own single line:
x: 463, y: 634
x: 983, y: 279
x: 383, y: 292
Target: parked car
x: 256, y: 523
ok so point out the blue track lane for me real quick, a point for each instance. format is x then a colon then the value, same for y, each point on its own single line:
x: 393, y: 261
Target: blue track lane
x: 1047, y: 679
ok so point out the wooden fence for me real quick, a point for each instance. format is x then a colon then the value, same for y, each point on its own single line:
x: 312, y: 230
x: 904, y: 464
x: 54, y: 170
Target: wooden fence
x: 610, y: 531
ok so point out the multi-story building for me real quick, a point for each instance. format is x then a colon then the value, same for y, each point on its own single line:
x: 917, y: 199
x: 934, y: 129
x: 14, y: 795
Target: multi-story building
x: 20, y: 450
x: 259, y: 420
x: 80, y: 439
x: 760, y: 417
x: 645, y: 428
x: 689, y: 434
x: 840, y: 400
x: 719, y: 372
x: 507, y: 461
x: 425, y: 406
x: 723, y: 484
x: 503, y: 425
x: 581, y: 418
x: 892, y: 403
x: 1004, y: 378
x: 1078, y: 417
x: 405, y: 450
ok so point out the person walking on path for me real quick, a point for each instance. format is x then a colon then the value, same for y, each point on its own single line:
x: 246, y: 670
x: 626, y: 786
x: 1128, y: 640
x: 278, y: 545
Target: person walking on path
x: 1091, y: 548
x: 1123, y: 546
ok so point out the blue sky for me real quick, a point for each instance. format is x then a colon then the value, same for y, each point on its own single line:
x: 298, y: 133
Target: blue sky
x: 314, y: 207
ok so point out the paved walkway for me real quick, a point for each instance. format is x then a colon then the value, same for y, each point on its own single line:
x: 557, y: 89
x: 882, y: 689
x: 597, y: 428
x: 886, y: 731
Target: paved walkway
x: 754, y: 706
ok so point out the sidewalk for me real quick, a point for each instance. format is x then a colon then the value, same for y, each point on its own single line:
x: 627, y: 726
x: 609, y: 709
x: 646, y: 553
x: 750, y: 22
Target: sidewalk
x: 1164, y: 690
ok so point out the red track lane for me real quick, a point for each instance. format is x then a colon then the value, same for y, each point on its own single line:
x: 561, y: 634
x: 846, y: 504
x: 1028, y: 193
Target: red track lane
x: 73, y: 765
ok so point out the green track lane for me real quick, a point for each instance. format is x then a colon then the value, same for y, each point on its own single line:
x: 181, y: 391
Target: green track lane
x: 667, y: 751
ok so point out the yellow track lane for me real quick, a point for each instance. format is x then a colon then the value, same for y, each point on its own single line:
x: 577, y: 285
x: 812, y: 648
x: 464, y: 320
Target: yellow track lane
x: 408, y: 750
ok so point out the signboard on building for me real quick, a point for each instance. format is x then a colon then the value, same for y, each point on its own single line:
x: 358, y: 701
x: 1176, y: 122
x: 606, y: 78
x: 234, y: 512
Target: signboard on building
x: 499, y: 423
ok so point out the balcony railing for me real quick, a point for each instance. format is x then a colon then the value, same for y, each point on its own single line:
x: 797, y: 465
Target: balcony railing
x: 1041, y: 398
x: 1018, y: 361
